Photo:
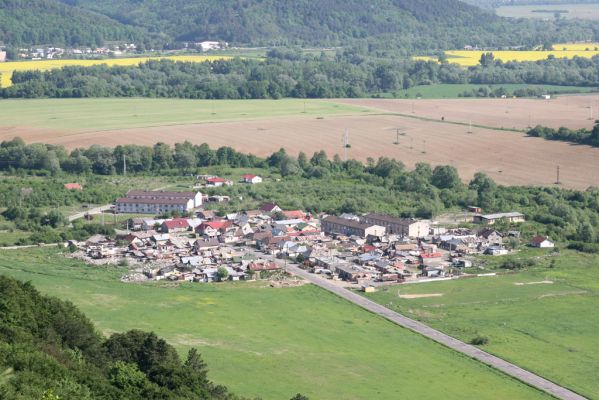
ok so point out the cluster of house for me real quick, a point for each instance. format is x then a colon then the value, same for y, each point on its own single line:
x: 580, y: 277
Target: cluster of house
x: 366, y: 248
x: 212, y: 181
x: 49, y: 52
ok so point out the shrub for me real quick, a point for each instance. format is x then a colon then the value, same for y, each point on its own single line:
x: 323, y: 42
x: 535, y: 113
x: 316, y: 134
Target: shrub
x: 479, y: 340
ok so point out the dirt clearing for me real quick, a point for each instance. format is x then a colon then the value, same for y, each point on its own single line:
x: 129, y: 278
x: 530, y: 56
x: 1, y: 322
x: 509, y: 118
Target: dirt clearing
x: 570, y: 111
x: 420, y: 296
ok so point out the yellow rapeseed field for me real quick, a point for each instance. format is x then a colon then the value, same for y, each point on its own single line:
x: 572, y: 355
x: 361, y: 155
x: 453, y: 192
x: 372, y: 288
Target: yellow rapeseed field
x: 7, y: 68
x: 468, y: 58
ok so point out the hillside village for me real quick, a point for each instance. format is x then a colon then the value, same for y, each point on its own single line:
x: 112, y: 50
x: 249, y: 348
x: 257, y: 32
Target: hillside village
x: 255, y: 244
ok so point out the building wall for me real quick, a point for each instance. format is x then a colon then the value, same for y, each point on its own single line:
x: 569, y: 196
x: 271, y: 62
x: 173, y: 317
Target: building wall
x: 375, y: 230
x: 418, y: 229
x: 142, y: 208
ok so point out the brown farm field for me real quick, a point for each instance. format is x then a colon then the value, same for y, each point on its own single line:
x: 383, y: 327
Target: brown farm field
x: 507, y: 156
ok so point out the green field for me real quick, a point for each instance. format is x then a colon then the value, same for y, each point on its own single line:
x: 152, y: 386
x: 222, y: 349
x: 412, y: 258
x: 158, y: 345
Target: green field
x: 550, y: 329
x: 106, y: 114
x: 452, y: 91
x: 269, y: 342
x: 547, y: 11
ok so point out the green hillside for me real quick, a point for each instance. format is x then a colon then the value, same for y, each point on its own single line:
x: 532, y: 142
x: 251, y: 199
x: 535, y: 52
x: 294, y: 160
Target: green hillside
x: 50, y: 22
x: 408, y: 25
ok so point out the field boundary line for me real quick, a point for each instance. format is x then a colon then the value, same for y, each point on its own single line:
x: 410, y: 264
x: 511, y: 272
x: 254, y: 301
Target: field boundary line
x: 468, y: 350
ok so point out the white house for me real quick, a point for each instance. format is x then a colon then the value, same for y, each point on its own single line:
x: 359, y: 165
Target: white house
x: 251, y: 179
x: 542, y: 242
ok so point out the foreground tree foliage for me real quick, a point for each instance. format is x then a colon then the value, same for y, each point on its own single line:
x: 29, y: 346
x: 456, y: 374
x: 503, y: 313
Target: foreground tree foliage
x: 50, y: 350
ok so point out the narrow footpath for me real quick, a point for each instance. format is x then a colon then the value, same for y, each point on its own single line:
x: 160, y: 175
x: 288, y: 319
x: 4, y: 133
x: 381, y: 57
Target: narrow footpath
x: 455, y: 344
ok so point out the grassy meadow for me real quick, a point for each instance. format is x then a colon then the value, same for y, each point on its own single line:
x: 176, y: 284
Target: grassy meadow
x: 107, y: 114
x: 548, y: 328
x: 7, y: 68
x: 270, y: 342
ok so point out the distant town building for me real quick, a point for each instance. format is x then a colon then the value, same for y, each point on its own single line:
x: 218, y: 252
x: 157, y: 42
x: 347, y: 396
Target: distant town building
x: 251, y: 179
x: 2, y: 56
x: 409, y: 227
x: 542, y: 242
x: 348, y: 227
x: 158, y: 202
x: 73, y: 186
x: 490, y: 219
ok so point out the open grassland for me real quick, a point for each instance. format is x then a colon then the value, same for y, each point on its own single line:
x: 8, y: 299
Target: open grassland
x: 270, y: 342
x: 73, y: 116
x: 544, y: 319
x: 547, y: 11
x: 7, y: 68
x: 508, y: 157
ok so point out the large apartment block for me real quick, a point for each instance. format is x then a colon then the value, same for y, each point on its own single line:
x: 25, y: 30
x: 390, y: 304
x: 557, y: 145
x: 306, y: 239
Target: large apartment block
x: 409, y: 227
x: 157, y: 202
x: 348, y: 227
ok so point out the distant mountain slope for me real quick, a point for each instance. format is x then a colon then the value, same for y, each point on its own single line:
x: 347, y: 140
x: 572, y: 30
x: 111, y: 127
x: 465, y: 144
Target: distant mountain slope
x: 407, y: 24
x: 374, y: 24
x: 28, y: 22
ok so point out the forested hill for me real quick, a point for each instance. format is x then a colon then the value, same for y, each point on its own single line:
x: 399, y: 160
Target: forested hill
x: 50, y: 350
x: 31, y: 22
x: 376, y: 24
x: 405, y: 24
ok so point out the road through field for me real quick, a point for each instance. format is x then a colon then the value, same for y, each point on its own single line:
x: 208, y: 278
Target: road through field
x: 457, y: 345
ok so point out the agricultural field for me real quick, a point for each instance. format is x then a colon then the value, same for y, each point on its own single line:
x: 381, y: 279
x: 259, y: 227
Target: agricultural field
x: 543, y: 319
x: 7, y: 68
x: 548, y: 11
x: 433, y: 131
x: 453, y: 91
x: 469, y: 58
x: 270, y: 342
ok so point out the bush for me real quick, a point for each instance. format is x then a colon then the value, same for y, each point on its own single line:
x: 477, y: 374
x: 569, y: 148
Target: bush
x: 479, y: 341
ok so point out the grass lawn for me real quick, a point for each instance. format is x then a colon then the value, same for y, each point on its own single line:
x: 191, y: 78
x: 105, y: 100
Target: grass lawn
x: 548, y: 328
x: 270, y: 342
x: 452, y: 91
x: 106, y: 114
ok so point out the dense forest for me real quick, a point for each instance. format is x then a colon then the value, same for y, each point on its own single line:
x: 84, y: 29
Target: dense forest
x: 30, y: 22
x: 289, y: 73
x: 403, y: 26
x: 318, y: 183
x: 49, y: 350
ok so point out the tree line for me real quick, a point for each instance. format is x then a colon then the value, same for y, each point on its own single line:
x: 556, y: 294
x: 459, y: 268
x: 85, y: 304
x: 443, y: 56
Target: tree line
x: 579, y: 136
x: 290, y: 74
x: 319, y: 183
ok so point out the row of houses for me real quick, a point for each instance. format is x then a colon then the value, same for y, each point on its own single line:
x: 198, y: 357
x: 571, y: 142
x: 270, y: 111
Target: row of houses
x: 158, y: 202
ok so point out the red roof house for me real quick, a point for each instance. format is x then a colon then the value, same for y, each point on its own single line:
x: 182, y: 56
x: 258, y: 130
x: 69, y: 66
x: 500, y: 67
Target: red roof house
x: 175, y: 225
x: 73, y: 186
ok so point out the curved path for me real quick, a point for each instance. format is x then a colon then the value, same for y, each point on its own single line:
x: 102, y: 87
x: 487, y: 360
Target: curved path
x: 455, y: 344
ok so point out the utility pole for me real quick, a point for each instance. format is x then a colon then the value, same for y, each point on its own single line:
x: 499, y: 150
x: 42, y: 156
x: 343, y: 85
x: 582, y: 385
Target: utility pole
x: 557, y: 182
x: 470, y: 127
x: 124, y: 164
x: 345, y: 144
x: 424, y: 147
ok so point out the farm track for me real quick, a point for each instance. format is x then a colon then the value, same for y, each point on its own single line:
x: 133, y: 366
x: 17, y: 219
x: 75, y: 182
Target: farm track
x: 439, y: 337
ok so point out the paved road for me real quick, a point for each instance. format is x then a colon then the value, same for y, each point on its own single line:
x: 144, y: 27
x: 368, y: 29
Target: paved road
x: 91, y: 211
x: 471, y: 351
